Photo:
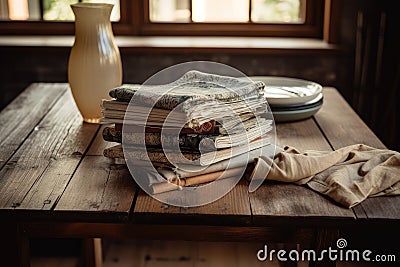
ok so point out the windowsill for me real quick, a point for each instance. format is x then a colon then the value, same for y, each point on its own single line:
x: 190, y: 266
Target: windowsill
x: 181, y: 43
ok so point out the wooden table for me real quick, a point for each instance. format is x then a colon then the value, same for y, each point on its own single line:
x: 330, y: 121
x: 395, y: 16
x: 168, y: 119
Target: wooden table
x: 55, y: 182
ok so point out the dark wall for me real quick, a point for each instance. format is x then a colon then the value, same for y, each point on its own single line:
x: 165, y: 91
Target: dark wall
x: 370, y: 30
x: 22, y: 66
x: 365, y: 70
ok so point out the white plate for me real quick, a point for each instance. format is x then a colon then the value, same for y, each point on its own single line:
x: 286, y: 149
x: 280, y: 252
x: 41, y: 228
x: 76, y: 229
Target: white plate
x: 286, y: 116
x: 288, y: 91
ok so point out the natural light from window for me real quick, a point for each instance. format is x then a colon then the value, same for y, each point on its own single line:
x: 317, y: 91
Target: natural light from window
x: 47, y: 10
x: 228, y: 11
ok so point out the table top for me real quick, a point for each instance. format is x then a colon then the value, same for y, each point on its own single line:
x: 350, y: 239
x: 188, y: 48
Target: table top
x: 52, y: 168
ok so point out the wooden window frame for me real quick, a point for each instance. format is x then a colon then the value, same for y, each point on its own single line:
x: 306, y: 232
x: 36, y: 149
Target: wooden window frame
x: 125, y: 26
x: 318, y: 15
x: 312, y: 26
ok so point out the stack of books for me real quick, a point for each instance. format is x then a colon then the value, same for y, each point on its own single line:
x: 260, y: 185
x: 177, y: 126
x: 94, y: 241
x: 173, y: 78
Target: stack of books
x: 200, y: 127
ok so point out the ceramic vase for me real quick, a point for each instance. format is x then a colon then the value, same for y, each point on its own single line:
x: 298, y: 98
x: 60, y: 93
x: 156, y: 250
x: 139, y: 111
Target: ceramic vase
x: 94, y: 65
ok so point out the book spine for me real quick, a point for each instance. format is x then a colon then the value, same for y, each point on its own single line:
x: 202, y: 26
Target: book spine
x: 168, y: 102
x: 206, y: 128
x: 184, y: 141
x: 154, y: 155
x: 112, y: 135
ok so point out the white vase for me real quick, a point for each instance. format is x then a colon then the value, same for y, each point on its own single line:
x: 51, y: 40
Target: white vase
x: 94, y: 65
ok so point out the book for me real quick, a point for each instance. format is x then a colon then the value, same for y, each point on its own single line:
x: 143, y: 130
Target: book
x: 191, y: 86
x: 184, y: 157
x: 193, y: 101
x: 233, y: 162
x: 209, y: 128
x: 199, y: 124
x: 152, y: 154
x: 197, y: 118
x: 206, y: 142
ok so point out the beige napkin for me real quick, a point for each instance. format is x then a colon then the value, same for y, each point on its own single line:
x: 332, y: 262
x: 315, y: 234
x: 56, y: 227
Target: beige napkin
x: 348, y: 175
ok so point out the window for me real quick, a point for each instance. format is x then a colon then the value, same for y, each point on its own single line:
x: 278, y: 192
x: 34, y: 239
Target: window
x: 277, y: 18
x: 257, y: 11
x: 47, y: 10
x: 54, y: 17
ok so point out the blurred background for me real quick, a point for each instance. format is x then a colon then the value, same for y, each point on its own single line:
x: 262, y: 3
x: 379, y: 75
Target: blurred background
x: 362, y: 61
x: 351, y: 45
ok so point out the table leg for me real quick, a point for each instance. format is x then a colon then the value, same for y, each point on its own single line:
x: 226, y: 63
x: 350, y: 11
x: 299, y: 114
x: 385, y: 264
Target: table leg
x: 92, y: 252
x: 325, y: 238
x: 14, y: 245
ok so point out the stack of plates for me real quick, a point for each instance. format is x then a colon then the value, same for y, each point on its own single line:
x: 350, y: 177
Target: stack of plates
x: 291, y: 99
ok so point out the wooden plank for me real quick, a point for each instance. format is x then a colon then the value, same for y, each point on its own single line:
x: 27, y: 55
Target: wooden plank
x: 277, y: 202
x: 382, y: 208
x: 346, y: 128
x: 57, y: 229
x: 303, y: 135
x: 99, y: 144
x: 99, y: 190
x: 21, y: 116
x: 231, y: 209
x: 92, y: 254
x: 148, y: 209
x: 36, y: 175
x: 341, y: 124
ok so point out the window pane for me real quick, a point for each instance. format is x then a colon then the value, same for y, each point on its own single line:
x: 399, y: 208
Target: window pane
x: 19, y: 10
x: 276, y: 11
x: 115, y: 13
x: 169, y: 10
x: 58, y: 9
x: 61, y: 10
x: 220, y: 11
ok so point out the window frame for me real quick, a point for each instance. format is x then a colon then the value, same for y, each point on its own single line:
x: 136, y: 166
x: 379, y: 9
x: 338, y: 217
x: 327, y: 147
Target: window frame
x: 312, y: 26
x: 125, y: 26
x: 139, y: 24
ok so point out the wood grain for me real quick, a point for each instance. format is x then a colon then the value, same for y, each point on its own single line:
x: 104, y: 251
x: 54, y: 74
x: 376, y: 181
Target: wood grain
x: 169, y: 232
x: 277, y: 202
x: 98, y: 145
x: 303, y: 135
x: 341, y: 124
x: 36, y: 175
x: 58, y: 166
x: 99, y: 190
x: 21, y: 116
x: 231, y: 209
x: 380, y: 208
x: 346, y: 128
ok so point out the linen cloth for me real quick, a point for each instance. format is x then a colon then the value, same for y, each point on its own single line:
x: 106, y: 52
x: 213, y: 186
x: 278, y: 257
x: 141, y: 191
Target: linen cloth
x: 347, y: 175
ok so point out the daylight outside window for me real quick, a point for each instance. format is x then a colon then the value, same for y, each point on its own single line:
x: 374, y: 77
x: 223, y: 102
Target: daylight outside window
x: 47, y: 10
x: 264, y: 18
x: 257, y: 11
x: 180, y: 11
